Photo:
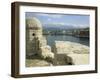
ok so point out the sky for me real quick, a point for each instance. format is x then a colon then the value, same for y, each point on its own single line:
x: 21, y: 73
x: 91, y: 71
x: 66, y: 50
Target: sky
x: 60, y: 19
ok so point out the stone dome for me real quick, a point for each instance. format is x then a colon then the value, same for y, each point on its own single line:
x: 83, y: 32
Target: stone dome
x: 33, y: 23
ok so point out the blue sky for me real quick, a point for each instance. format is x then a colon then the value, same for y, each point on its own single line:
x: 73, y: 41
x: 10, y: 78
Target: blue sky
x: 62, y: 19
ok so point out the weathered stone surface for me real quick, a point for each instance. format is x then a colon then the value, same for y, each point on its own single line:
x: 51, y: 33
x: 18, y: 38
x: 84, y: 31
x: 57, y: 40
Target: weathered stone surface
x: 36, y: 39
x: 66, y: 47
x: 62, y: 59
x: 33, y: 30
x: 33, y: 23
x: 37, y: 63
x: 80, y: 59
x: 42, y: 41
x: 77, y: 52
x: 33, y: 26
x: 45, y: 52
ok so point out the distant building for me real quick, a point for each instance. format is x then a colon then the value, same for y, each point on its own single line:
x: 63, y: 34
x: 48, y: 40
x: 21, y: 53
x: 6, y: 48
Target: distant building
x: 82, y: 33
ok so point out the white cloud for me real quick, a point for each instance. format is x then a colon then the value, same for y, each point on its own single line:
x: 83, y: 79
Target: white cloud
x: 56, y: 16
x: 50, y: 15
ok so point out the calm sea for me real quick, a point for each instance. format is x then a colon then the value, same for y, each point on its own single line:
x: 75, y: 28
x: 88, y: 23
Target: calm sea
x: 52, y: 38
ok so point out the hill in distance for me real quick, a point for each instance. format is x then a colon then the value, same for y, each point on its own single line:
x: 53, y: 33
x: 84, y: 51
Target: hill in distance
x: 63, y: 27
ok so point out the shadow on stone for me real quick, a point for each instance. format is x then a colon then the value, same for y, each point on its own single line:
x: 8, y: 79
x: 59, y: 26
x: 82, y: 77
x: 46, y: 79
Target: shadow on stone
x: 62, y: 59
x: 35, y: 56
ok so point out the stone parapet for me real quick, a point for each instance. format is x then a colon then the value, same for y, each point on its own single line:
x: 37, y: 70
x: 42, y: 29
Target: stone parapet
x: 67, y: 47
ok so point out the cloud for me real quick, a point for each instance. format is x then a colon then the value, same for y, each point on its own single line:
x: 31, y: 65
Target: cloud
x: 50, y: 15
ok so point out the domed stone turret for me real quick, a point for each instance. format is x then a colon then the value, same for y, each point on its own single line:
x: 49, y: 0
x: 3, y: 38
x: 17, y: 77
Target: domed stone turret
x: 34, y: 27
x: 33, y: 23
x: 33, y: 30
x: 36, y: 44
